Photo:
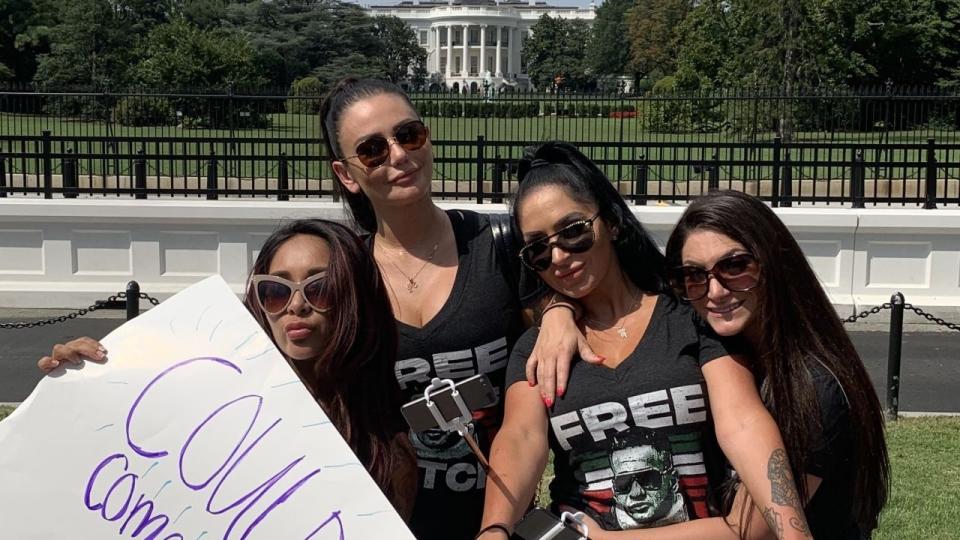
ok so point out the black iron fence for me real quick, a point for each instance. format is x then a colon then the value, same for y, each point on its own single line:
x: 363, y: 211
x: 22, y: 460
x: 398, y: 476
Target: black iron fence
x: 848, y: 173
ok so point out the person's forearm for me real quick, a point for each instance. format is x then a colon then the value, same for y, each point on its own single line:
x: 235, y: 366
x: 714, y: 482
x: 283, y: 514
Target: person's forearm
x: 517, y: 460
x: 753, y: 445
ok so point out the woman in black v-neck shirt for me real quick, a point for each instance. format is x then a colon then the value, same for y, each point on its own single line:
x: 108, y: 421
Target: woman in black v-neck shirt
x: 456, y: 311
x: 746, y: 275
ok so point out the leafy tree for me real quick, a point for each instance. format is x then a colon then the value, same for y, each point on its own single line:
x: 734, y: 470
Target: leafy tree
x: 654, y: 33
x: 24, y: 30
x: 402, y: 56
x: 606, y: 53
x: 555, y: 53
x: 179, y: 56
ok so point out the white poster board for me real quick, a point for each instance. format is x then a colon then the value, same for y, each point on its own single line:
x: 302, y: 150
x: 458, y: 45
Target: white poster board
x: 196, y: 428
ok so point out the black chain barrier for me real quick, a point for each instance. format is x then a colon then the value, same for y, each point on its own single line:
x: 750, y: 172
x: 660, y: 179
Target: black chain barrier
x: 129, y: 299
x: 919, y: 311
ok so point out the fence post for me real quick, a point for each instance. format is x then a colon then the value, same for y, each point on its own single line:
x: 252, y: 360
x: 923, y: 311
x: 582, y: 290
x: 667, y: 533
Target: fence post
x: 775, y: 181
x: 930, y: 202
x: 212, y: 177
x: 786, y: 184
x: 140, y: 175
x: 69, y: 165
x: 47, y: 165
x: 857, y: 179
x: 283, y: 182
x: 893, y: 356
x: 133, y: 300
x: 713, y: 172
x: 480, y: 163
x: 3, y: 175
x: 640, y: 181
x: 497, y: 180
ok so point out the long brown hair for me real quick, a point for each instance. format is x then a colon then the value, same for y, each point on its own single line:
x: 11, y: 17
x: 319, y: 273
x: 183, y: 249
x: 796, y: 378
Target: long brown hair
x: 345, y: 93
x: 353, y: 377
x: 799, y: 327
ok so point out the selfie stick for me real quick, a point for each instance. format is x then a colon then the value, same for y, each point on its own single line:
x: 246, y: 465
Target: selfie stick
x: 462, y: 424
x: 541, y: 525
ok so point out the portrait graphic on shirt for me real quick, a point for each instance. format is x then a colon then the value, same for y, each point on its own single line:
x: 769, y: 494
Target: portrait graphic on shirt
x: 646, y: 487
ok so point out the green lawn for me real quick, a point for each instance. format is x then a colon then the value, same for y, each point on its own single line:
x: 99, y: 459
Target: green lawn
x: 5, y: 411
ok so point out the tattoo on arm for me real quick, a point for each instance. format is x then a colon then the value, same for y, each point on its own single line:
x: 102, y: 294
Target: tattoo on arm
x: 773, y: 521
x: 783, y: 491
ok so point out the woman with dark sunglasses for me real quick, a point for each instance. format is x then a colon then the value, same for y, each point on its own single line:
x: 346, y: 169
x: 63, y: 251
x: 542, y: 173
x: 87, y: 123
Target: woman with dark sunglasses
x: 636, y: 441
x: 315, y: 290
x: 744, y: 273
x: 457, y: 310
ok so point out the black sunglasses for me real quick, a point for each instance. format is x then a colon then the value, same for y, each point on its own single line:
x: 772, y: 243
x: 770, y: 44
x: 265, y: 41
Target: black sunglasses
x: 739, y: 273
x: 274, y: 293
x: 651, y: 479
x: 374, y: 151
x: 576, y: 237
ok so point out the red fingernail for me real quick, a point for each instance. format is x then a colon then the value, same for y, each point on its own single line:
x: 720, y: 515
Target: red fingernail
x: 531, y: 383
x: 560, y: 391
x: 548, y: 402
x: 602, y: 358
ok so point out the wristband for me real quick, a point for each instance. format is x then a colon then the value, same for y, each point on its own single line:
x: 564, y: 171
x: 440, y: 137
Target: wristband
x: 493, y: 527
x: 557, y: 300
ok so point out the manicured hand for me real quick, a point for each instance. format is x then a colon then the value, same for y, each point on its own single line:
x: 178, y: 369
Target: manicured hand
x: 74, y: 352
x: 549, y: 365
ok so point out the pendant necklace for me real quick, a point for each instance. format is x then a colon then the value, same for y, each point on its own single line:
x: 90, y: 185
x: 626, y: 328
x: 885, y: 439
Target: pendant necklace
x: 412, y: 283
x: 621, y: 329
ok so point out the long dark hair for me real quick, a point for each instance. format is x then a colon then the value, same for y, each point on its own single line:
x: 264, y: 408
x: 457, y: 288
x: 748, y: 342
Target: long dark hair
x: 344, y: 94
x: 353, y: 376
x: 557, y: 163
x: 798, y: 328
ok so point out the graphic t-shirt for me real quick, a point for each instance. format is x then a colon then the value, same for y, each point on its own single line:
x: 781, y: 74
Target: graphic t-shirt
x: 473, y: 333
x: 831, y: 458
x: 634, y: 446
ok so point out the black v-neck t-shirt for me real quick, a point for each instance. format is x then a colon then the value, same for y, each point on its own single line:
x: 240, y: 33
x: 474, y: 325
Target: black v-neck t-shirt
x: 472, y: 333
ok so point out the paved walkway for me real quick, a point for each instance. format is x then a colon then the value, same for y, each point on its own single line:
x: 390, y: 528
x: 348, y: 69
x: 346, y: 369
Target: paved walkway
x: 930, y: 374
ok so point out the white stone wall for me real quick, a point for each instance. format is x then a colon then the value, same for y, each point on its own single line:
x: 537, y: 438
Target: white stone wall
x: 67, y: 254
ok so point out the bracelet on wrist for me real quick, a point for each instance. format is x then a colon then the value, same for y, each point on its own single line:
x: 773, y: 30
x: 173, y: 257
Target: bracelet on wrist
x: 493, y: 527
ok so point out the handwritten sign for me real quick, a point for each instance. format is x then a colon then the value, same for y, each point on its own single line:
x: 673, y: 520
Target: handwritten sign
x: 196, y: 428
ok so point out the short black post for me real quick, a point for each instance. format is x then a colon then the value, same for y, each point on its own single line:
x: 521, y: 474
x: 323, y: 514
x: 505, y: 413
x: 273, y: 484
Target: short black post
x: 775, y: 181
x: 786, y: 186
x: 212, y: 178
x: 480, y: 165
x: 3, y: 175
x: 70, y: 189
x: 133, y: 300
x: 930, y: 202
x: 283, y: 182
x: 893, y: 356
x: 47, y: 165
x: 140, y: 176
x: 497, y: 187
x: 640, y: 181
x: 858, y: 179
x: 713, y: 174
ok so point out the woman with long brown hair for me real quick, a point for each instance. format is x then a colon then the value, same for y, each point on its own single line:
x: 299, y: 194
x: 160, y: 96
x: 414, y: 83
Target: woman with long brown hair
x: 316, y: 292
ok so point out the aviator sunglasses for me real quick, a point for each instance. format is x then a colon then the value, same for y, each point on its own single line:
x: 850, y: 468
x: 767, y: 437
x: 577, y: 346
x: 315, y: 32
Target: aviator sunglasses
x: 576, y: 237
x: 374, y: 151
x: 739, y: 273
x: 274, y: 293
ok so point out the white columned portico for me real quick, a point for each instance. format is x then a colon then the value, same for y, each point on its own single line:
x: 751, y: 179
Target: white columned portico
x: 464, y: 67
x: 511, y: 47
x: 483, y: 49
x: 499, y: 72
x: 449, y: 71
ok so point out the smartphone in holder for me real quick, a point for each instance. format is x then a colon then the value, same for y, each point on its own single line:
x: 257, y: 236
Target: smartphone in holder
x: 476, y: 392
x: 540, y: 524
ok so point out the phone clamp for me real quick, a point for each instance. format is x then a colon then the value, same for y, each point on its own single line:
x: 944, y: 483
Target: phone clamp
x: 568, y: 524
x: 462, y: 424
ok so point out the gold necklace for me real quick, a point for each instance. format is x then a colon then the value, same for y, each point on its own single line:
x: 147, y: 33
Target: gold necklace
x: 412, y: 280
x: 621, y: 329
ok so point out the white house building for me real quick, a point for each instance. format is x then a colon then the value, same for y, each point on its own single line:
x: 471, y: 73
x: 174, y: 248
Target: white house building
x: 470, y: 42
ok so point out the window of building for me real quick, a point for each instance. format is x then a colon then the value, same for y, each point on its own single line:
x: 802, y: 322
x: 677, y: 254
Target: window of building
x: 474, y: 35
x: 443, y: 63
x: 458, y: 36
x: 490, y: 65
x: 474, y: 65
x: 423, y: 37
x: 457, y: 64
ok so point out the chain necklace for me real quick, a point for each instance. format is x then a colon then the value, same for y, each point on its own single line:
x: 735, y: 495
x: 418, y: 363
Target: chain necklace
x: 621, y: 329
x: 412, y: 280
